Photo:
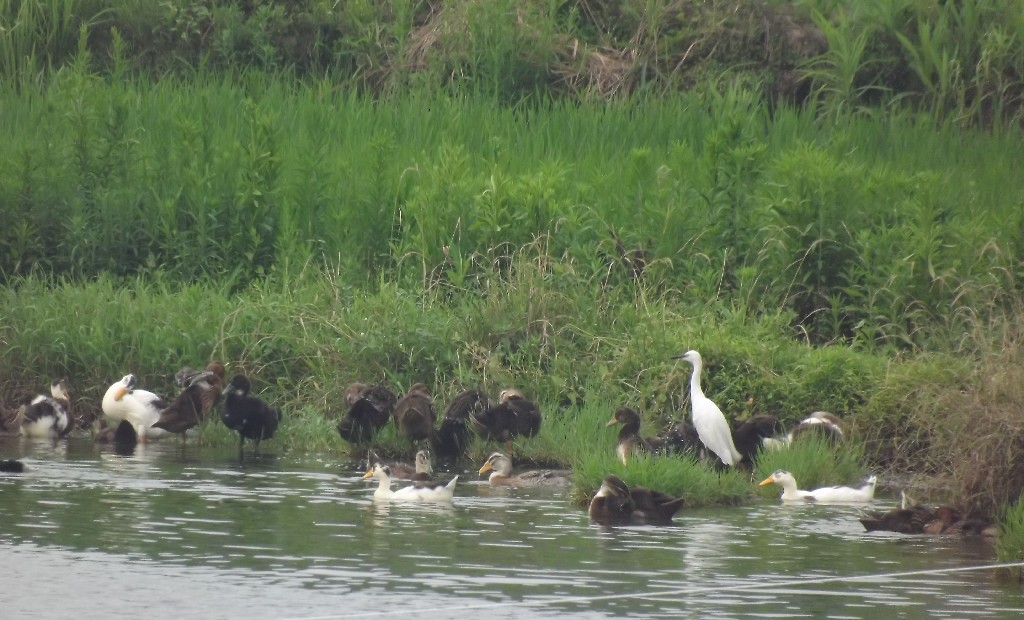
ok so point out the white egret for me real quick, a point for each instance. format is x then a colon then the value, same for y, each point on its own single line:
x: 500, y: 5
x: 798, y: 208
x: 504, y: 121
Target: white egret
x: 712, y: 428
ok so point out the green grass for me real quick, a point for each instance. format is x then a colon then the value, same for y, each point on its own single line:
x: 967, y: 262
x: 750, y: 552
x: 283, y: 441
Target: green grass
x: 1010, y: 543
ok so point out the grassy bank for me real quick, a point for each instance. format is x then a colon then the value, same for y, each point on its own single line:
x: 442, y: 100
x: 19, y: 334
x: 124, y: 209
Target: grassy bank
x: 304, y: 338
x: 960, y: 62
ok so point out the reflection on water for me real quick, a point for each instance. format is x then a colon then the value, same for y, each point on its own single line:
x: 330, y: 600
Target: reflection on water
x: 174, y: 531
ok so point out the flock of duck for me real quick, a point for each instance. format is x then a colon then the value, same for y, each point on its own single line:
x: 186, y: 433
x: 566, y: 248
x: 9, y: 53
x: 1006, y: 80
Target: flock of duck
x: 132, y: 415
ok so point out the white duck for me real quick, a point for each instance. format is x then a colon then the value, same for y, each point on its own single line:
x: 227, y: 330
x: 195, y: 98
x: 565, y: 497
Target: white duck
x: 711, y: 425
x: 139, y: 407
x: 865, y: 492
x: 420, y: 492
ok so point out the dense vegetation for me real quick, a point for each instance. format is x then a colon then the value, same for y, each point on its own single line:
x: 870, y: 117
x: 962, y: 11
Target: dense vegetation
x: 824, y: 198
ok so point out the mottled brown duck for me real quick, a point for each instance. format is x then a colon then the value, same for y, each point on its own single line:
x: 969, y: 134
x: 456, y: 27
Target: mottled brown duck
x: 415, y: 415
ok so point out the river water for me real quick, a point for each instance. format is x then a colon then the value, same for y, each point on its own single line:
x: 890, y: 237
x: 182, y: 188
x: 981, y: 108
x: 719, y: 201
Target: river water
x: 177, y: 531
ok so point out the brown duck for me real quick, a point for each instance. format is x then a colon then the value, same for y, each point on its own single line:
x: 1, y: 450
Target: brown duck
x: 618, y: 504
x: 415, y: 415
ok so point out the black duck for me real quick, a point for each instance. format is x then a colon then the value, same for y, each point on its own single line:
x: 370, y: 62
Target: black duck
x: 453, y: 434
x: 250, y: 416
x: 369, y: 409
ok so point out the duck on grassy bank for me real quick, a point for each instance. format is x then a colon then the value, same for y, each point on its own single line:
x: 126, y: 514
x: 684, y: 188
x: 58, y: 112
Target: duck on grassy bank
x: 250, y: 416
x: 865, y: 492
x: 415, y: 415
x: 819, y: 424
x: 369, y: 409
x: 514, y: 416
x: 453, y: 437
x: 124, y: 401
x: 48, y: 417
x: 629, y: 442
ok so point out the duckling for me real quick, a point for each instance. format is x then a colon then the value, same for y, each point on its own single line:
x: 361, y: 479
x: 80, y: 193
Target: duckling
x: 630, y: 442
x: 500, y: 467
x: 370, y: 408
x: 618, y: 504
x: 513, y: 416
x: 209, y: 382
x: 415, y: 415
x: 123, y: 401
x: 12, y: 466
x: 250, y: 416
x: 48, y: 416
x: 423, y: 492
x: 862, y: 493
x: 452, y: 438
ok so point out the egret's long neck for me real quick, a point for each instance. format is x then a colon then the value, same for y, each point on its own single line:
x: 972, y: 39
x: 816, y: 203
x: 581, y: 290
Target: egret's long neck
x: 695, y: 382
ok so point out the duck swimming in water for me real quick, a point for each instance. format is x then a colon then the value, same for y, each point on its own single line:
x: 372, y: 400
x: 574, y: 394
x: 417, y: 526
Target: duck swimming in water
x: 500, y: 468
x: 419, y: 492
x: 790, y: 493
x: 619, y: 504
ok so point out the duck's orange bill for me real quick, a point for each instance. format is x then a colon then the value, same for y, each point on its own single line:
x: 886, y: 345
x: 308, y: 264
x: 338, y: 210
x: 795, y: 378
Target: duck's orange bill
x: 486, y: 467
x: 368, y: 474
x: 766, y: 481
x: 612, y: 422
